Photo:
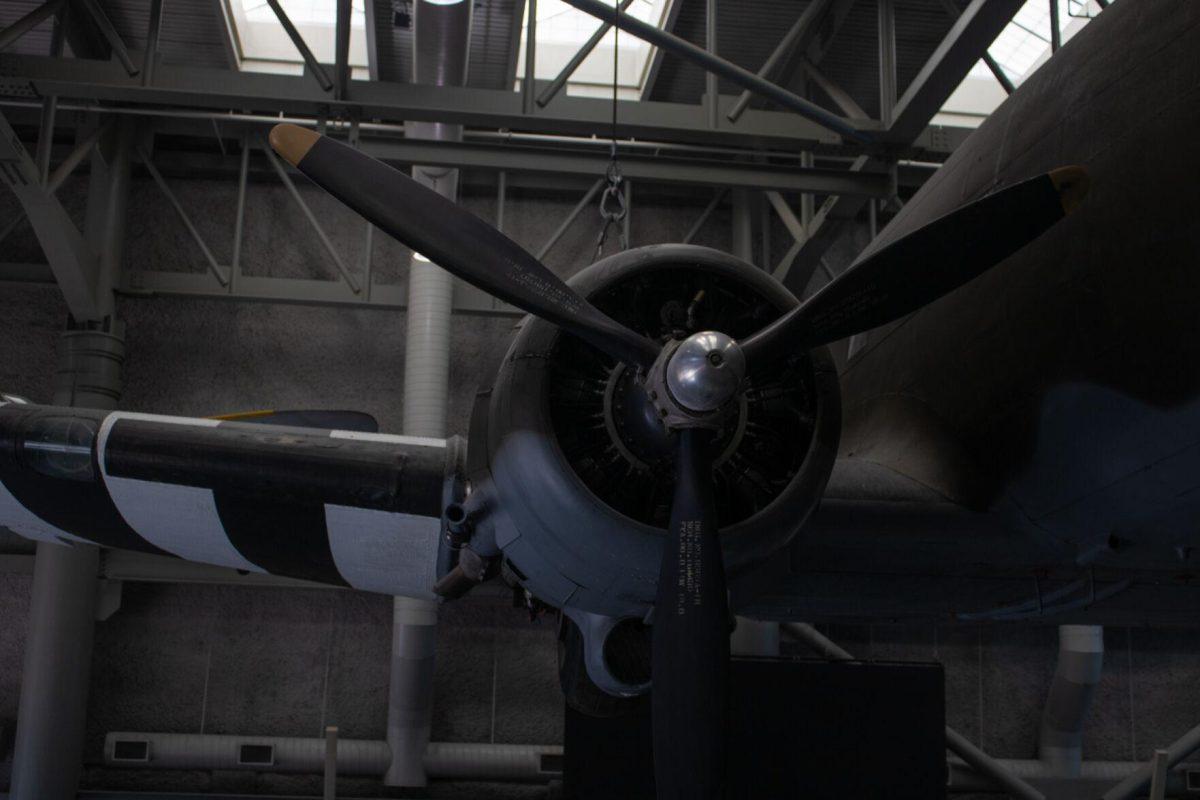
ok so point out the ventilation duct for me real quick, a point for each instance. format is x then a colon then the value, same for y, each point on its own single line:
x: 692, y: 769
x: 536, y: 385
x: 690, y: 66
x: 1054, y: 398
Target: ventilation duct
x: 355, y: 757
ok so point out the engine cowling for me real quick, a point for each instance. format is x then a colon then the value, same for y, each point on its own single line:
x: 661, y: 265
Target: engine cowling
x: 571, y: 471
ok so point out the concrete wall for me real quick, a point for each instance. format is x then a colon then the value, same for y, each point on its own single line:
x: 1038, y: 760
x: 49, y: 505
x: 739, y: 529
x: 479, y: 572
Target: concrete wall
x: 188, y: 658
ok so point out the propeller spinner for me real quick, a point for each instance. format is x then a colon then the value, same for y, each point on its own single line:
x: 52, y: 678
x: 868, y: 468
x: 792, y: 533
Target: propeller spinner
x: 692, y: 384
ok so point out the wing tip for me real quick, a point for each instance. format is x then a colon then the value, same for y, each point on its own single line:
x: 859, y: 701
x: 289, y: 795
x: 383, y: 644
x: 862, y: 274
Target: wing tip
x: 292, y: 142
x: 1072, y: 184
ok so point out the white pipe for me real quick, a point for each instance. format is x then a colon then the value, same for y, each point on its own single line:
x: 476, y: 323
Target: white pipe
x: 493, y: 762
x: 965, y: 779
x: 440, y: 47
x: 753, y: 637
x: 1080, y: 659
x: 410, y: 690
x: 427, y: 349
x: 816, y: 640
x: 444, y: 760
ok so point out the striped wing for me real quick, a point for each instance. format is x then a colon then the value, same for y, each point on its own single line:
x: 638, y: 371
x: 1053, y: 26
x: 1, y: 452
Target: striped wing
x: 339, y: 507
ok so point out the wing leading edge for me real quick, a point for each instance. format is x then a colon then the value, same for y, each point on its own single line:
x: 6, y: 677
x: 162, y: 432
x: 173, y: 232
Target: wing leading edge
x: 341, y: 507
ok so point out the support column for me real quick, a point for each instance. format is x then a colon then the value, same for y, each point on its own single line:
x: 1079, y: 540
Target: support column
x: 743, y: 225
x: 440, y: 48
x: 887, y: 61
x: 58, y: 651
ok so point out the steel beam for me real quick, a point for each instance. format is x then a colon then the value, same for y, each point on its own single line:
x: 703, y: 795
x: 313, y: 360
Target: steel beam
x: 45, y: 139
x: 209, y: 258
x: 975, y: 29
x: 104, y: 24
x: 312, y: 219
x: 972, y: 32
x: 529, y: 80
x: 797, y: 267
x: 797, y: 38
x: 583, y: 203
x: 222, y: 89
x: 108, y: 202
x: 501, y: 198
x: 314, y: 66
x: 534, y: 159
x: 887, y: 60
x: 63, y: 171
x: 675, y: 170
x: 74, y: 264
x: 794, y: 226
x: 50, y: 104
x: 821, y: 42
x: 704, y: 215
x: 296, y: 291
x: 1001, y: 76
x: 712, y: 97
x: 372, y: 40
x: 1136, y: 783
x: 580, y: 56
x: 150, y: 59
x: 28, y: 22
x: 342, y: 47
x: 836, y: 93
x: 657, y: 54
x: 1055, y: 27
x: 725, y: 69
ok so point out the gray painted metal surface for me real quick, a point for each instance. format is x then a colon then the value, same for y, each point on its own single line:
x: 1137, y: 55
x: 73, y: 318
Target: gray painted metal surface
x: 71, y: 258
x: 222, y: 89
x: 972, y: 32
x: 727, y: 70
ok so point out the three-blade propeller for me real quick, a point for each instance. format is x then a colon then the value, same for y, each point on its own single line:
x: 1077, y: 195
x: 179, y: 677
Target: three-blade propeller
x: 691, y: 615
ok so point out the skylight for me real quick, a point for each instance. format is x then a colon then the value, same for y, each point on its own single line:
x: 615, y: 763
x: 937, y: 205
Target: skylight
x: 562, y: 28
x: 1022, y: 47
x: 264, y: 46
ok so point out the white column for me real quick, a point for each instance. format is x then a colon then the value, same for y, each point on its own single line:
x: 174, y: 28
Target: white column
x: 52, y: 713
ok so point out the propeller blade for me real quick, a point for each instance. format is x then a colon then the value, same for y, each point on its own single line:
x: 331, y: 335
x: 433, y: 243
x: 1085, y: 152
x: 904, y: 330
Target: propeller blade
x: 322, y: 419
x: 690, y: 637
x: 928, y: 263
x: 454, y: 239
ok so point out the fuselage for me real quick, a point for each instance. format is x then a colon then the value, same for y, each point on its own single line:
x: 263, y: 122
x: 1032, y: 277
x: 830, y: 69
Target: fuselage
x: 1062, y: 389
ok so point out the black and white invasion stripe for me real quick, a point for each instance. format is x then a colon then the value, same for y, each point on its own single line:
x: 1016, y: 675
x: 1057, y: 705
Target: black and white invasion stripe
x: 347, y: 508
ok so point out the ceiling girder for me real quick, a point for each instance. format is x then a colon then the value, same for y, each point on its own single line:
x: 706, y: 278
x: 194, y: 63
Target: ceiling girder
x: 194, y: 87
x: 978, y: 26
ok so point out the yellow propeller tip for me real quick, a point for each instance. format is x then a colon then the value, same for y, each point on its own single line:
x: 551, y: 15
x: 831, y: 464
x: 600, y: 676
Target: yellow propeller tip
x: 1072, y: 184
x: 292, y: 142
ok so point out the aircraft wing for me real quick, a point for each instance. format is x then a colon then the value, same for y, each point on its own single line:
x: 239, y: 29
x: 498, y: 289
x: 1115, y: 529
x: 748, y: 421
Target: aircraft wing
x: 347, y: 508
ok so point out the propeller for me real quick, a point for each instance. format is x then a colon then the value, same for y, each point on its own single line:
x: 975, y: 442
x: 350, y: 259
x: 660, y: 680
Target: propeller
x: 454, y: 239
x: 928, y: 263
x: 689, y: 664
x: 690, y: 661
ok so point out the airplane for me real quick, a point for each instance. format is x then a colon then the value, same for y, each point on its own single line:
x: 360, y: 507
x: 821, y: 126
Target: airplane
x: 1016, y: 408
